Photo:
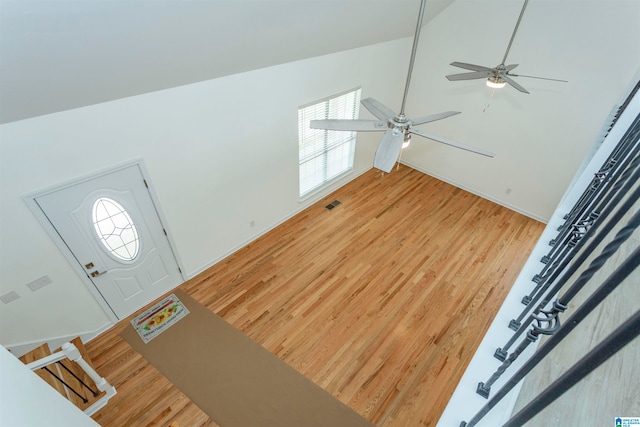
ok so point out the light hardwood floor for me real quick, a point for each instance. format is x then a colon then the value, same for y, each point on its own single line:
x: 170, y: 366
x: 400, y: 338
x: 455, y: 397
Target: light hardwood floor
x: 381, y: 301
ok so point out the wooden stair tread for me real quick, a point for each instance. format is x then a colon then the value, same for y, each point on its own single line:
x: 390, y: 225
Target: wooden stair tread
x: 65, y: 375
x: 37, y: 354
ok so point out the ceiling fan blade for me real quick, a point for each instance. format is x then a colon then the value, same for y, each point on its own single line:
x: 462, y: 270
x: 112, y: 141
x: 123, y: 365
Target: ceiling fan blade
x: 510, y: 67
x: 471, y: 67
x: 389, y: 150
x: 452, y: 143
x: 513, y: 83
x: 434, y: 117
x: 535, y: 77
x: 349, y: 125
x: 378, y: 109
x: 469, y: 76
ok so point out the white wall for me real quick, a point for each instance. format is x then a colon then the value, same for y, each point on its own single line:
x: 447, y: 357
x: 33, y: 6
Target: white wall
x: 465, y: 402
x: 541, y: 138
x: 223, y: 153
x: 220, y: 154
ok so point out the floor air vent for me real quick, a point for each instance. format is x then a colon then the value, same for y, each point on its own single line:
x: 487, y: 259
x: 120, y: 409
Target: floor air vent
x: 333, y: 204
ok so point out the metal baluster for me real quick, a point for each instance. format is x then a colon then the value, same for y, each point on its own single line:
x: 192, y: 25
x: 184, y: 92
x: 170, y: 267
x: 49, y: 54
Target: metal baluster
x: 546, y: 325
x: 561, y: 304
x: 578, y: 231
x: 552, y: 266
x: 580, y: 216
x: 94, y: 392
x: 624, y: 150
x: 588, y: 195
x: 613, y: 343
x: 571, y: 268
x: 84, y: 400
x: 560, y: 242
x: 597, y: 263
x: 608, y: 286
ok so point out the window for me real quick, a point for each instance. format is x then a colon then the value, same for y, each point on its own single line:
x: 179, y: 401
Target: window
x: 326, y: 155
x: 115, y: 229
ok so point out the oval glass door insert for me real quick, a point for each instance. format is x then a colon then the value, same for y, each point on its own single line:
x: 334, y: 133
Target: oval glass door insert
x: 115, y: 229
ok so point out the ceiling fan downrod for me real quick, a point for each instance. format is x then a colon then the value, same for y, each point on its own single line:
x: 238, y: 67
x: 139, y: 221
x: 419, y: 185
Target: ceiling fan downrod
x: 411, y: 61
x: 515, y: 30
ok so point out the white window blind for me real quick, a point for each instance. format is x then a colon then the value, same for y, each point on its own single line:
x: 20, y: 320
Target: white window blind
x: 325, y: 154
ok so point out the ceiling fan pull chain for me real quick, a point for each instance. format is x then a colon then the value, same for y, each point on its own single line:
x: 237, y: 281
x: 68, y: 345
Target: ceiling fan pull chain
x: 493, y: 90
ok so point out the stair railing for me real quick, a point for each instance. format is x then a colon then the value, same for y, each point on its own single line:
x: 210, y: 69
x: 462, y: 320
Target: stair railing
x: 612, y: 197
x: 71, y: 352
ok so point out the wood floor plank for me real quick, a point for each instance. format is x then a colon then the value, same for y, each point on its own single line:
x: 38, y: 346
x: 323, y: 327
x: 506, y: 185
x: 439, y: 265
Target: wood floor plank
x: 381, y: 301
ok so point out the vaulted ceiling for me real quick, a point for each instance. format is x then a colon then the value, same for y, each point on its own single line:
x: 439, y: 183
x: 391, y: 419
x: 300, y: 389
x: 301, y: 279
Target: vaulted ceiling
x: 62, y: 54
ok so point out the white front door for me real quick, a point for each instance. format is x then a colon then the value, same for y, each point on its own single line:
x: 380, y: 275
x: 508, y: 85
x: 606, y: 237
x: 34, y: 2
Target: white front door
x: 111, y: 226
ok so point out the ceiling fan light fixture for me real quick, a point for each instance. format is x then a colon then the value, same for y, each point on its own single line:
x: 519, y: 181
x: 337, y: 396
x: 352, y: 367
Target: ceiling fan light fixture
x: 407, y: 140
x: 496, y: 82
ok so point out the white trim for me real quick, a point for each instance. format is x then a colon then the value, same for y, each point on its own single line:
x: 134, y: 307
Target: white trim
x: 479, y: 194
x: 30, y: 200
x: 313, y: 198
x: 330, y: 97
x: 321, y: 189
x: 163, y: 220
x: 20, y: 349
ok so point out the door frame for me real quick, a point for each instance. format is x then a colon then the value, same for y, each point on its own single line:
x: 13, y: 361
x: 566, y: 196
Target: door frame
x: 30, y: 200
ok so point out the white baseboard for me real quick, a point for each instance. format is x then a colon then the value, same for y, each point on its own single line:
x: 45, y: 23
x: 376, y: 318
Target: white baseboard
x: 21, y: 349
x: 305, y: 204
x: 480, y: 194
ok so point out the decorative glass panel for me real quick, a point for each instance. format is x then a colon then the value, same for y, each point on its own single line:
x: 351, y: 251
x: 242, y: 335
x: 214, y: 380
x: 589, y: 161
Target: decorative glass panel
x: 115, y: 229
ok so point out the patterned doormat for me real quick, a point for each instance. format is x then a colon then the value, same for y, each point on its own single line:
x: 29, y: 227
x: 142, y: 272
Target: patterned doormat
x: 159, y: 318
x: 233, y: 379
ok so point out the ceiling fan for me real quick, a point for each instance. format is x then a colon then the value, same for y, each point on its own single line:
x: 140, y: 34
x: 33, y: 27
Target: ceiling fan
x: 397, y: 127
x: 499, y: 75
